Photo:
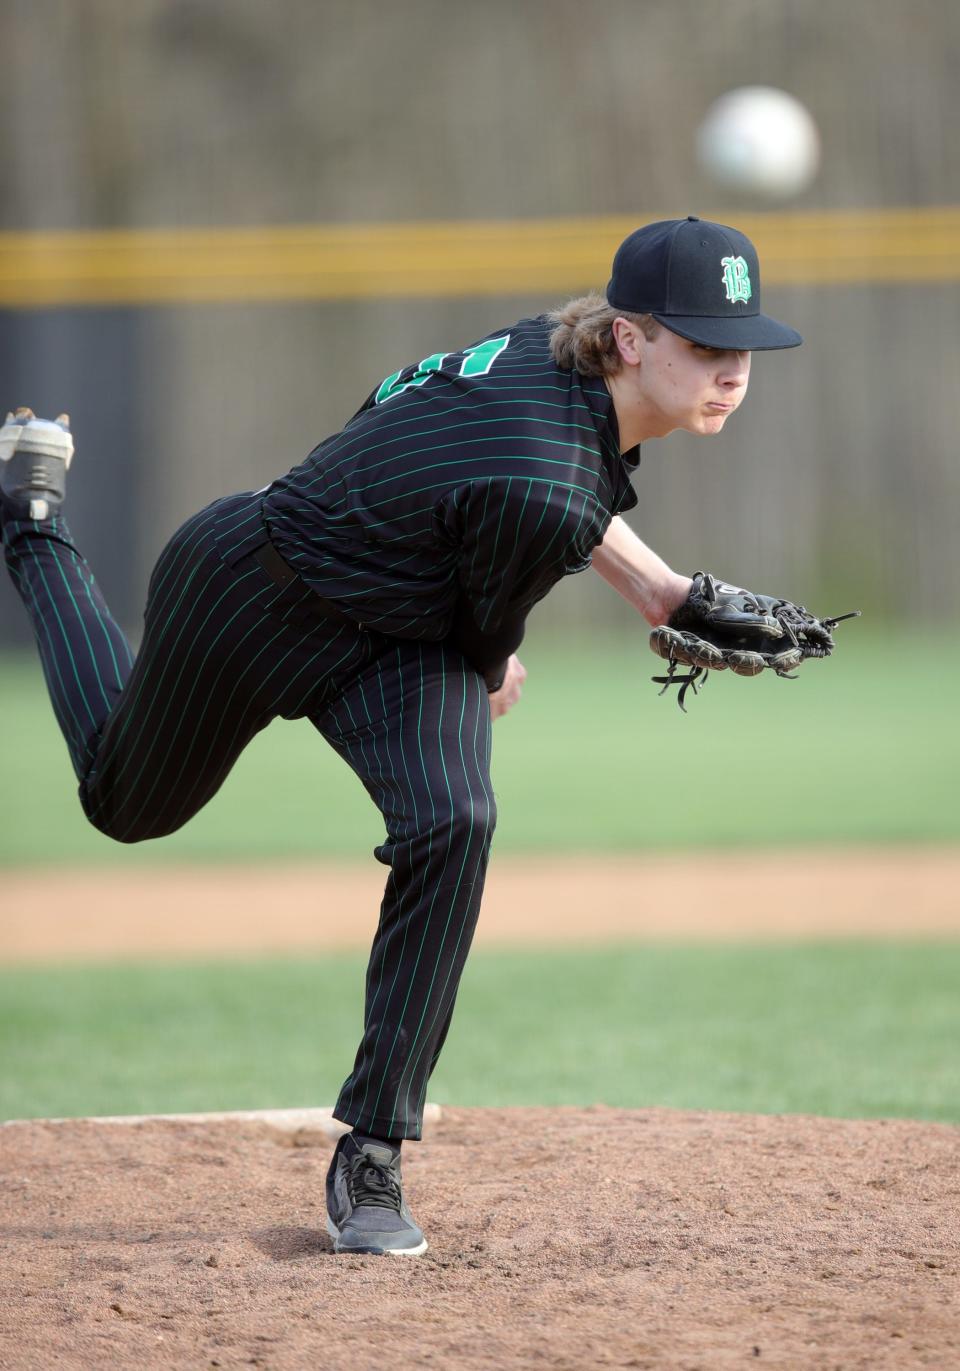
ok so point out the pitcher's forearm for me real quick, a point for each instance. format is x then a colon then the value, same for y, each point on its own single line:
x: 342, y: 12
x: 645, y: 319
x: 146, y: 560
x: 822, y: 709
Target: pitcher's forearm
x: 638, y: 574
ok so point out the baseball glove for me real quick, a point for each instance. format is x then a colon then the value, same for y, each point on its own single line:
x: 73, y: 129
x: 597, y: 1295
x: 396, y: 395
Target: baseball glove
x: 721, y: 627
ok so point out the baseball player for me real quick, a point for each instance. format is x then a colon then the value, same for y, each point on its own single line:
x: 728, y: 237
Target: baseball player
x: 380, y: 589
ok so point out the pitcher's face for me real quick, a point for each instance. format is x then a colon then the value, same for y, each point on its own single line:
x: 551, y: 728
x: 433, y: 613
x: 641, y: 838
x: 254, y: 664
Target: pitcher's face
x: 670, y: 383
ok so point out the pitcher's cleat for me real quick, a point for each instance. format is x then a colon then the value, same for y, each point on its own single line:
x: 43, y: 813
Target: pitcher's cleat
x: 365, y: 1207
x: 34, y: 457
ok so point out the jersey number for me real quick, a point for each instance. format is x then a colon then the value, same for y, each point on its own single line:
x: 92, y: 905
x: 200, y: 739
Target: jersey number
x: 477, y: 361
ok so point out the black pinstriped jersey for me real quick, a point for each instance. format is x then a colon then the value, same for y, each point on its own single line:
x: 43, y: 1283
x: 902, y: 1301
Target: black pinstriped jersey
x: 479, y: 477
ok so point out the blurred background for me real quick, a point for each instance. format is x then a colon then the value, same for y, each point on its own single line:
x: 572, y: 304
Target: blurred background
x: 223, y: 222
x: 196, y: 365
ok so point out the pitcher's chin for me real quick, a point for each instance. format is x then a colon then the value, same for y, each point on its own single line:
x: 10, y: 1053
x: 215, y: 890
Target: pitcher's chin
x: 712, y: 420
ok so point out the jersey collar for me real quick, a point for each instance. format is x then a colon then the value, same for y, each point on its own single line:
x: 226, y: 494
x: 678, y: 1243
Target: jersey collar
x: 618, y: 465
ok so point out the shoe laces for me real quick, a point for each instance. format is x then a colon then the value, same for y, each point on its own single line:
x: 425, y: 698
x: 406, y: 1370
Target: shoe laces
x: 372, y: 1183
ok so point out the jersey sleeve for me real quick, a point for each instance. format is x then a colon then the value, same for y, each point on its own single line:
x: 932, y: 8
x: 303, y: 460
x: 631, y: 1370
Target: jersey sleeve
x: 517, y: 537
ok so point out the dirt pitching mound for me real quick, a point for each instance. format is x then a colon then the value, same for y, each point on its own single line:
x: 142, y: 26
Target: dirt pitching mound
x: 558, y: 1239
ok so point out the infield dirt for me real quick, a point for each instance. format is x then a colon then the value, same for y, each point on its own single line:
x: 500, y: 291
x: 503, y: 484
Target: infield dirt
x: 239, y: 910
x: 558, y: 1239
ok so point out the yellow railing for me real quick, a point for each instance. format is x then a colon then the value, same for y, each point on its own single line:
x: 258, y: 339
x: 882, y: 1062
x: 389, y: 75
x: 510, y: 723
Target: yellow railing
x: 457, y: 258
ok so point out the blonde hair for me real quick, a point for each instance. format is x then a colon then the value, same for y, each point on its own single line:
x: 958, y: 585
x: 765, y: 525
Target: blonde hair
x: 582, y: 334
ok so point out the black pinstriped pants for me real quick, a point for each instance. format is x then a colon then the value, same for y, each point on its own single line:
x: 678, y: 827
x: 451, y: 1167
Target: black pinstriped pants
x: 225, y: 651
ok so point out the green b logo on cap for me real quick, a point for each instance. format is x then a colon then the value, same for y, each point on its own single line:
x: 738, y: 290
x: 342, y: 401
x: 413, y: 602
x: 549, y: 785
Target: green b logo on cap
x: 736, y: 279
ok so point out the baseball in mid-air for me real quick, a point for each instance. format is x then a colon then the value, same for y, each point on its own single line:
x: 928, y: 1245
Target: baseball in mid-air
x: 759, y: 140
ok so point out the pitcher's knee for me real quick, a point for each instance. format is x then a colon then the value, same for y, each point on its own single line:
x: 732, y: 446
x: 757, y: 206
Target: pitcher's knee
x: 119, y: 821
x: 113, y: 827
x: 472, y: 819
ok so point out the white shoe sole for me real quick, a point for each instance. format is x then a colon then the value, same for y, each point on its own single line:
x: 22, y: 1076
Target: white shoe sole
x: 334, y: 1232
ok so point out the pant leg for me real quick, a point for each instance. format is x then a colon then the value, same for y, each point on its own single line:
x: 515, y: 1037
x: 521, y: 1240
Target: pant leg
x: 224, y: 651
x: 85, y: 657
x: 415, y: 727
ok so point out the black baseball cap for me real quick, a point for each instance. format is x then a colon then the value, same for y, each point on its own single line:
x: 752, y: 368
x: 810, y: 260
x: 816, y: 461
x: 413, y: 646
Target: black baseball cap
x: 700, y: 280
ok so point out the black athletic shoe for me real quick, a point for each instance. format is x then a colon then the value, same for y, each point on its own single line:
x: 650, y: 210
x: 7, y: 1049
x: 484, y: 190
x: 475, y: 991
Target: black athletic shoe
x: 34, y: 456
x: 365, y: 1207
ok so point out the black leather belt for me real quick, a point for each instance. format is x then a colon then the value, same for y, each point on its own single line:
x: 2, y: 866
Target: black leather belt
x: 282, y: 574
x: 277, y: 568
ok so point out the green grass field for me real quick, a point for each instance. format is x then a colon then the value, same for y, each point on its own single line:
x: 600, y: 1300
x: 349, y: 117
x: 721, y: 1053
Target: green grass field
x: 862, y: 748
x: 853, y: 1030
